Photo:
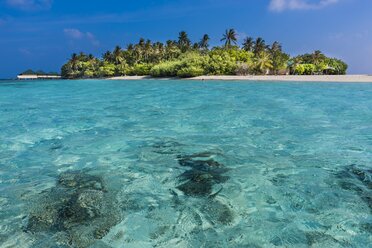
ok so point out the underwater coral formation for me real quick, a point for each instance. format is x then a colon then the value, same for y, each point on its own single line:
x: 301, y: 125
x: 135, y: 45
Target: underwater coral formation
x: 80, y: 206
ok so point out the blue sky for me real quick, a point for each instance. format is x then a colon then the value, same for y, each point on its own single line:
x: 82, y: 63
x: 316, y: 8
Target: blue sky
x: 42, y: 34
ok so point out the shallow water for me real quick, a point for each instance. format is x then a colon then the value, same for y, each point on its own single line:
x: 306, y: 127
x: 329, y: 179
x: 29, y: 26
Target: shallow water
x: 186, y: 164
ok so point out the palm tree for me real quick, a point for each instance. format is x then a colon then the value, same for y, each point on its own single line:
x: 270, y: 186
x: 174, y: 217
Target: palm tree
x: 74, y: 58
x: 184, y: 42
x: 171, y: 49
x: 82, y: 56
x: 263, y: 62
x: 279, y: 59
x: 248, y: 44
x: 157, y: 52
x: 130, y: 47
x: 107, y: 56
x: 141, y: 42
x: 293, y: 63
x: 230, y: 37
x: 276, y: 47
x: 171, y: 43
x: 138, y: 50
x: 117, y: 55
x: 204, y: 42
x: 259, y: 46
x: 129, y: 54
x: 147, y: 49
x: 317, y: 57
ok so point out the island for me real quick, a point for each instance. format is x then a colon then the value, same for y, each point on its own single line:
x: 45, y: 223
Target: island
x: 184, y: 59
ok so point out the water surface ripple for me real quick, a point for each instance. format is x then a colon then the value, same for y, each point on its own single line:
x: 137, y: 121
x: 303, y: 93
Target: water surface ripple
x: 156, y: 163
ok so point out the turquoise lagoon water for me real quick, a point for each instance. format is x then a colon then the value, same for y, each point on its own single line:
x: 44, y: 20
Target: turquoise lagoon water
x: 185, y: 164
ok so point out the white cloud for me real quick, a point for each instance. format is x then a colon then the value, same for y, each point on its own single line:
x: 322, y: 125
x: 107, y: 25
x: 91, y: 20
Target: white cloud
x: 73, y: 33
x: 30, y: 5
x: 92, y: 39
x: 281, y: 5
x: 76, y: 34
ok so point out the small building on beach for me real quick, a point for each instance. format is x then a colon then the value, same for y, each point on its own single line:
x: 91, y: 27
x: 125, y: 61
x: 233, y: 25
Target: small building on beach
x: 34, y: 77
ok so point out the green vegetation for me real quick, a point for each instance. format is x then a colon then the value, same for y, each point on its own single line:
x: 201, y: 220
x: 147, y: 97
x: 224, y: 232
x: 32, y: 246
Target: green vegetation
x: 316, y: 63
x: 39, y: 72
x: 182, y: 58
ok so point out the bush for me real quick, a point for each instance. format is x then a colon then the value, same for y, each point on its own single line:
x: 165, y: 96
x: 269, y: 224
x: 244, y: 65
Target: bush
x: 299, y: 69
x: 88, y: 73
x: 106, y: 70
x: 241, y: 55
x: 221, y: 65
x: 121, y: 69
x: 305, y: 69
x: 189, y: 65
x: 225, y: 61
x: 242, y: 69
x: 309, y: 69
x: 336, y: 66
x: 165, y: 69
x: 141, y: 69
x: 191, y: 71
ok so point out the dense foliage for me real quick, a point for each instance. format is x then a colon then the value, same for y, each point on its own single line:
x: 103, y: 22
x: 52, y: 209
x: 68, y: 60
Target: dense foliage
x: 182, y: 58
x: 316, y: 63
x: 39, y: 72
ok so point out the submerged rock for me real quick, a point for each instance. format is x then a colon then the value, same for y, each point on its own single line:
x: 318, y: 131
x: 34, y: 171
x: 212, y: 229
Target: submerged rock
x: 199, y: 181
x: 358, y: 180
x: 51, y: 144
x: 166, y: 147
x: 80, y: 205
x: 201, y: 160
x: 77, y: 180
x: 205, y: 172
x: 217, y: 212
x: 353, y: 171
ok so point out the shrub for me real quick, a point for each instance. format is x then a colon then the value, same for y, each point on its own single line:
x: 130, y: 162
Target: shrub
x: 191, y: 71
x: 221, y: 64
x: 309, y: 69
x: 338, y: 66
x: 165, y: 69
x: 141, y: 69
x: 299, y: 70
x: 242, y: 69
x: 106, y: 70
x: 121, y: 69
x: 188, y: 65
x: 305, y: 69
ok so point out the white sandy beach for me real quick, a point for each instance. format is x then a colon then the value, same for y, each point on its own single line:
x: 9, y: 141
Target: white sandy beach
x: 130, y: 78
x: 292, y: 78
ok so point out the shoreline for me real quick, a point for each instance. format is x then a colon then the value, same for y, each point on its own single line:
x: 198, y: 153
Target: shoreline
x: 271, y: 78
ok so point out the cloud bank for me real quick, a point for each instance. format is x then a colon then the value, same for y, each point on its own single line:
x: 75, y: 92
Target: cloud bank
x: 30, y: 5
x: 76, y: 34
x: 282, y: 5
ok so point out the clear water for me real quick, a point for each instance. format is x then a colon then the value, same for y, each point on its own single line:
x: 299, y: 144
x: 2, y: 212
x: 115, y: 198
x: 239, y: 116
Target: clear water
x: 296, y: 159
